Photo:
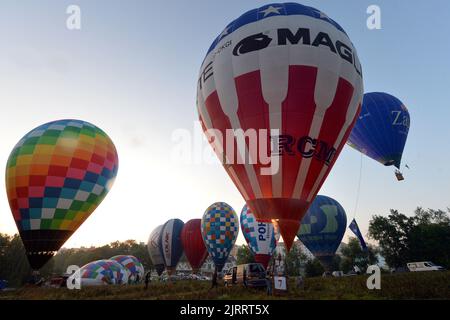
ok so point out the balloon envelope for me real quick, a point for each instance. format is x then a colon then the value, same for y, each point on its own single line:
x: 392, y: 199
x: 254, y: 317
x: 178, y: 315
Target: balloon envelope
x: 322, y: 229
x: 171, y: 246
x: 260, y: 236
x: 132, y: 265
x: 56, y: 176
x: 220, y: 228
x: 381, y: 129
x: 193, y: 245
x: 103, y: 272
x: 292, y: 71
x: 155, y: 250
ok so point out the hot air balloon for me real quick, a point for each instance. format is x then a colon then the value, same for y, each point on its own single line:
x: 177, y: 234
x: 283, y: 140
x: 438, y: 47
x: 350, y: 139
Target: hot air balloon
x: 260, y: 236
x: 56, y: 176
x: 194, y: 247
x: 155, y: 250
x: 287, y: 76
x: 132, y: 265
x: 322, y: 229
x: 220, y: 228
x: 381, y: 129
x: 102, y: 272
x: 171, y: 246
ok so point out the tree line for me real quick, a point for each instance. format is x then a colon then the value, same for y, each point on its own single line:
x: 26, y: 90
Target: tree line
x: 15, y: 269
x: 424, y: 236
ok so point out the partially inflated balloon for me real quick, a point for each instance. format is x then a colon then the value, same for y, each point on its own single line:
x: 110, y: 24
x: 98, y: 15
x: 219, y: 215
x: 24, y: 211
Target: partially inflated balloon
x: 55, y: 178
x: 220, y: 228
x: 171, y: 246
x: 193, y: 245
x: 155, y: 250
x: 260, y: 236
x: 132, y: 265
x: 322, y: 229
x: 103, y: 272
x: 381, y: 129
x: 292, y: 74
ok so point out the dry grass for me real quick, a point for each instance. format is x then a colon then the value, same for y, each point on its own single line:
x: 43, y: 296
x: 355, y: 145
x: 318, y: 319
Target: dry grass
x: 426, y: 285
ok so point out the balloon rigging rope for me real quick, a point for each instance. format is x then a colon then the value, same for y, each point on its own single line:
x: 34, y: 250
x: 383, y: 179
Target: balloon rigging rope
x: 359, y: 187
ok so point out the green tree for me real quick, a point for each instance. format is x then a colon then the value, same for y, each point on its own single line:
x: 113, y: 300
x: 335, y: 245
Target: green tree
x: 313, y: 268
x: 14, y: 265
x: 244, y: 255
x: 392, y: 233
x: 294, y: 260
x: 15, y: 269
x: 353, y: 255
x: 402, y: 239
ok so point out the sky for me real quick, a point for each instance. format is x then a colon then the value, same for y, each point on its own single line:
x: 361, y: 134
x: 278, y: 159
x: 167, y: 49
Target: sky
x: 132, y: 70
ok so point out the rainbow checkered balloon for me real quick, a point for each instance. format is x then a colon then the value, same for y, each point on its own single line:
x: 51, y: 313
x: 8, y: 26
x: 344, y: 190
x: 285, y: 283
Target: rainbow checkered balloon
x: 103, y: 272
x: 56, y: 176
x: 132, y: 264
x: 220, y: 228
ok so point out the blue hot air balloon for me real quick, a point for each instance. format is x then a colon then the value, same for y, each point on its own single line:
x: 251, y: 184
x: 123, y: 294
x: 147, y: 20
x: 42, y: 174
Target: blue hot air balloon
x: 171, y: 246
x: 220, y: 228
x: 322, y: 229
x: 260, y: 236
x: 381, y: 130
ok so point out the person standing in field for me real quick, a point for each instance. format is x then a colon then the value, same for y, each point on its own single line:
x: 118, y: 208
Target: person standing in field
x: 269, y: 285
x: 214, y: 280
x: 300, y: 282
x: 147, y: 279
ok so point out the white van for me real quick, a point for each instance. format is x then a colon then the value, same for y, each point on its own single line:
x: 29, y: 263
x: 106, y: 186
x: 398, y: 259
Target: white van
x: 423, y: 266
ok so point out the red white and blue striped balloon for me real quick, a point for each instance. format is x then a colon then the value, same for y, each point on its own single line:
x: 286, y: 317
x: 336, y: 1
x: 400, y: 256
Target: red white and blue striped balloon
x: 171, y: 246
x: 292, y: 70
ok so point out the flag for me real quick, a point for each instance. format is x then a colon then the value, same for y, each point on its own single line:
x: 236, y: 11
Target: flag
x: 354, y: 227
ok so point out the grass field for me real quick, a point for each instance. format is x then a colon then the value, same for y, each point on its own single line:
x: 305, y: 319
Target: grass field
x: 426, y: 285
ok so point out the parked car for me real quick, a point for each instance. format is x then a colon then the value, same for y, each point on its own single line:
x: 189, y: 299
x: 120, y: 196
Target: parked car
x: 337, y: 273
x: 250, y: 275
x: 423, y: 266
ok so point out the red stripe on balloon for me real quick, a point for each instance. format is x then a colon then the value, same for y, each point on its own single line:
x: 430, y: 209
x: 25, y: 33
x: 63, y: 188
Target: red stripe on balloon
x: 333, y: 122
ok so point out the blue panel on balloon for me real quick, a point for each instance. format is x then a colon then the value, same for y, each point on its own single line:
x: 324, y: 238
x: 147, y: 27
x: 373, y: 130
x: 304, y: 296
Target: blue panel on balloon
x: 323, y: 226
x: 381, y: 129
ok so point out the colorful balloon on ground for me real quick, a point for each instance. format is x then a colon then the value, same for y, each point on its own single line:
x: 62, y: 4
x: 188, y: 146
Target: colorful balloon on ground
x: 132, y: 265
x: 292, y: 71
x: 102, y: 272
x: 56, y: 176
x: 194, y: 247
x: 171, y: 246
x: 381, y: 129
x: 155, y: 250
x: 260, y: 236
x: 322, y: 229
x: 220, y: 228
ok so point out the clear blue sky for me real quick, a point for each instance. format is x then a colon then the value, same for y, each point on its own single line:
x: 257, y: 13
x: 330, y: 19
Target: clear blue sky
x: 132, y: 70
